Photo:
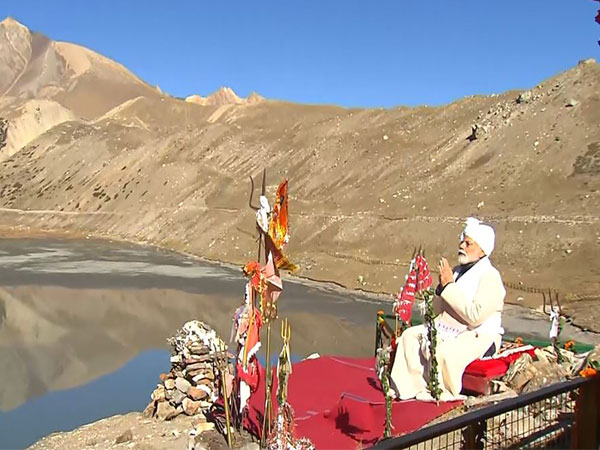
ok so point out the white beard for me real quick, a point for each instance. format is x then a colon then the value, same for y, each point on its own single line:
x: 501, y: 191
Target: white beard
x: 463, y: 259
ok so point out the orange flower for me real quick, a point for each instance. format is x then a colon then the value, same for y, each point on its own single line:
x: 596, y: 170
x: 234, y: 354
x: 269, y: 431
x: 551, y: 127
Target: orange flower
x: 569, y: 344
x: 588, y: 372
x: 519, y: 340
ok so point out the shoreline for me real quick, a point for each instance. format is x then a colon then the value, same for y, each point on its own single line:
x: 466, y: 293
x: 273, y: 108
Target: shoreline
x: 25, y: 232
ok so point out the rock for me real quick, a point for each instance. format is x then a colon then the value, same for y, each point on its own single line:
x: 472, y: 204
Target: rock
x: 182, y: 384
x: 571, y: 103
x: 199, y: 366
x: 587, y: 62
x: 170, y: 383
x: 524, y: 97
x: 159, y: 393
x: 198, y: 358
x: 478, y: 131
x: 199, y: 350
x: 149, y: 411
x: 165, y: 376
x: 190, y: 407
x: 520, y: 372
x: 178, y: 397
x: 385, y: 137
x: 210, y: 376
x: 546, y: 374
x: 165, y: 411
x: 204, y: 426
x: 127, y: 436
x: 250, y: 446
x: 197, y: 394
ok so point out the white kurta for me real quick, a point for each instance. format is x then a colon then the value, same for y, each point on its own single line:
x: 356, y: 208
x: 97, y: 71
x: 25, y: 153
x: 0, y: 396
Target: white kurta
x: 468, y: 323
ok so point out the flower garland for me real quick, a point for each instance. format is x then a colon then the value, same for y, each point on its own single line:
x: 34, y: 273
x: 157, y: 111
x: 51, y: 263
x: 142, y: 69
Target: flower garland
x: 556, y: 327
x: 382, y: 367
x: 433, y: 384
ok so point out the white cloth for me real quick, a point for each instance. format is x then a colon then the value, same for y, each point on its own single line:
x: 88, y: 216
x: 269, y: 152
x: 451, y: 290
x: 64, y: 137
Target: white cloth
x: 482, y: 234
x: 469, y: 283
x: 262, y: 215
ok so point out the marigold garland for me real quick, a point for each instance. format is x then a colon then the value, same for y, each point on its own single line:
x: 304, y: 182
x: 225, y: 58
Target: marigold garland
x: 382, y: 367
x: 434, y: 384
x: 588, y: 372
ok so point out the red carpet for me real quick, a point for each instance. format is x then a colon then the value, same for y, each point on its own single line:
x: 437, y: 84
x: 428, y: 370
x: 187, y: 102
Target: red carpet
x: 338, y: 404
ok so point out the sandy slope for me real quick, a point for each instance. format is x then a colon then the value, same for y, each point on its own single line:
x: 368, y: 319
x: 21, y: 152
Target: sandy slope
x: 367, y: 185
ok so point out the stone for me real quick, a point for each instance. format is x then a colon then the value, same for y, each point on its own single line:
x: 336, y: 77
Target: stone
x: 127, y: 436
x: 197, y: 394
x: 203, y: 376
x: 149, y: 411
x: 250, y: 446
x: 190, y: 407
x: 178, y: 397
x: 159, y: 393
x: 165, y: 411
x: 170, y: 383
x: 199, y: 349
x: 571, y: 103
x: 197, y: 372
x: 204, y: 426
x: 182, y: 384
x: 199, y: 366
x: 524, y: 97
x: 165, y: 376
x: 587, y: 62
x: 546, y: 373
x: 520, y: 372
x: 478, y: 131
x: 169, y: 393
x: 198, y: 358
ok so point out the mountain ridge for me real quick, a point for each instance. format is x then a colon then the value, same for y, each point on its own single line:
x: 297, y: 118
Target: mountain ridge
x: 367, y: 185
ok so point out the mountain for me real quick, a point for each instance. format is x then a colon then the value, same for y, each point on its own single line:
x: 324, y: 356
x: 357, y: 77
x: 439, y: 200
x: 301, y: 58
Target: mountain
x: 224, y: 96
x: 85, y: 82
x: 366, y: 185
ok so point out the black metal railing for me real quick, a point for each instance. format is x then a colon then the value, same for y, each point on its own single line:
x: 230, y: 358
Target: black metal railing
x: 563, y: 415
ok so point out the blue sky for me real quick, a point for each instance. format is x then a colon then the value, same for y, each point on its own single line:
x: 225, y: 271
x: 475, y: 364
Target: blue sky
x: 351, y: 53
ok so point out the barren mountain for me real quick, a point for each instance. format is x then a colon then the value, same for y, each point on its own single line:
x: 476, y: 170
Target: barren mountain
x: 367, y: 185
x: 85, y: 82
x: 224, y: 96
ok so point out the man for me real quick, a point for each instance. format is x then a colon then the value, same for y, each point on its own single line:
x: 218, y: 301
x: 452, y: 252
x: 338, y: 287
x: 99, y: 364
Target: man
x: 468, y: 304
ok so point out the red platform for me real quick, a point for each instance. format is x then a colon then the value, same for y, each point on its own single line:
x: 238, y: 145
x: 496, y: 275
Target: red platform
x: 339, y: 404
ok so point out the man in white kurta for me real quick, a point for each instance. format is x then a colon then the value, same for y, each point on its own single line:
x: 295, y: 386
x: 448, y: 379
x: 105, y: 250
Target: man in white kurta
x: 469, y: 301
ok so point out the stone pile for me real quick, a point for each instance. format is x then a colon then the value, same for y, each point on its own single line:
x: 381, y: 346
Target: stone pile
x: 192, y: 385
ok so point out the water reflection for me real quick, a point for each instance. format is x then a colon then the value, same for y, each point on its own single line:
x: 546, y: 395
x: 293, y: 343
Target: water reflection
x: 72, y: 312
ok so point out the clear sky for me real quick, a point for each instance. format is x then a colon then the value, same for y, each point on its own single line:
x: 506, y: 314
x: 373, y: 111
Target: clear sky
x: 351, y: 53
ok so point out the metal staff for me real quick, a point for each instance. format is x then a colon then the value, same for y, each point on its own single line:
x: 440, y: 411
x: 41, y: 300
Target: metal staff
x: 223, y: 370
x: 263, y: 242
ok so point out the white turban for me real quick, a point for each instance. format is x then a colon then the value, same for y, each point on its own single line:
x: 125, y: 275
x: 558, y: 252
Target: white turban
x: 481, y: 233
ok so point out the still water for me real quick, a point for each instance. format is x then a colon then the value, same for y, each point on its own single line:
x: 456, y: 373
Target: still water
x: 83, y: 326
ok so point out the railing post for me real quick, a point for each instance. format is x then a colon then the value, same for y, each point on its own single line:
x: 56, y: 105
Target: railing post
x: 474, y: 435
x: 587, y: 415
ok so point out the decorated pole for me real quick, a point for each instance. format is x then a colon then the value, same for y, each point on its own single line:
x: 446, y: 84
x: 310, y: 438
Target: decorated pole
x: 266, y: 426
x: 223, y: 371
x: 265, y: 282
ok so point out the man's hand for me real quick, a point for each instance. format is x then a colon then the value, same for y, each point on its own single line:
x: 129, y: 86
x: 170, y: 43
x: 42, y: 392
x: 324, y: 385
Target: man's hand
x: 446, y: 275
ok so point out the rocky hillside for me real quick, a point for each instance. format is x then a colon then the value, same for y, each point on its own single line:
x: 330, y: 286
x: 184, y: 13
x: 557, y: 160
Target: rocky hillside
x: 367, y: 185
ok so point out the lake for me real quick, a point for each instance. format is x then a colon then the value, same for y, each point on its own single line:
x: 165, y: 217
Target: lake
x: 84, y: 323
